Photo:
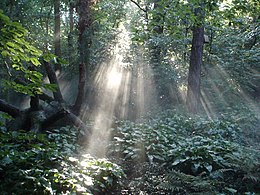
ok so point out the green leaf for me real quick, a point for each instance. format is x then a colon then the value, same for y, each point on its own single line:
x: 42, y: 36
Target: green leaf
x: 16, y: 66
x: 5, y: 53
x: 35, y: 61
x: 47, y: 57
x: 10, y: 44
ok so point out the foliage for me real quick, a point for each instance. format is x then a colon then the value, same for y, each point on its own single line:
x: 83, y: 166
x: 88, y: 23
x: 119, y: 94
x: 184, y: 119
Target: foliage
x: 169, y: 129
x: 3, y: 120
x: 231, y: 65
x: 200, y: 151
x: 171, y: 153
x: 21, y: 58
x: 40, y: 164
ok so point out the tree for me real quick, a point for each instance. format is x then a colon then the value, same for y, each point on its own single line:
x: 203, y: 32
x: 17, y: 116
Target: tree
x: 22, y: 60
x: 85, y: 39
x: 71, y: 29
x: 193, y: 93
x: 57, y: 46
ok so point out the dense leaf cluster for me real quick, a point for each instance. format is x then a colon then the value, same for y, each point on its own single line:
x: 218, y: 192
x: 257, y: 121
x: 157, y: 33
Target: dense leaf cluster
x: 41, y: 164
x: 21, y: 59
x: 179, y: 154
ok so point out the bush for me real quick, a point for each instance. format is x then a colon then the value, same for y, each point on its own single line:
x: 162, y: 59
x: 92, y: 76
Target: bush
x: 202, y: 151
x: 41, y: 164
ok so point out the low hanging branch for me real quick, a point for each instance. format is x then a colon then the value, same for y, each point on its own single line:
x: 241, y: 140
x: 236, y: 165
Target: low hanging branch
x: 9, y: 109
x: 69, y: 117
x: 46, y: 97
x: 144, y: 10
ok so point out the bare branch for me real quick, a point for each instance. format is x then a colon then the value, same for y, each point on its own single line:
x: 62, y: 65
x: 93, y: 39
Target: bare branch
x: 46, y: 97
x: 69, y: 117
x: 144, y: 10
x: 9, y: 109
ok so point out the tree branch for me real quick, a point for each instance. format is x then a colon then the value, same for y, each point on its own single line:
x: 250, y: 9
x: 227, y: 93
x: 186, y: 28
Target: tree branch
x: 53, y: 79
x: 46, y: 97
x: 9, y: 109
x: 69, y: 117
x: 144, y: 10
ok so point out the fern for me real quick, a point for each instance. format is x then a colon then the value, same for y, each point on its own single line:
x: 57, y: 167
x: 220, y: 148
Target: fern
x: 177, y: 182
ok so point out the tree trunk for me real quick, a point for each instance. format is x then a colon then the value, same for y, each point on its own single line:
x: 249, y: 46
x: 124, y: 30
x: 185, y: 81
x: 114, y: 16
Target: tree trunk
x: 35, y: 103
x: 70, y: 35
x: 81, y: 90
x: 85, y: 33
x: 53, y: 80
x: 57, y: 47
x: 158, y: 19
x: 193, y: 93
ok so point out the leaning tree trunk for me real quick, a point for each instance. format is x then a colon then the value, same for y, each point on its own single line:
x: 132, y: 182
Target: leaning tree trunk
x: 53, y: 79
x: 193, y: 93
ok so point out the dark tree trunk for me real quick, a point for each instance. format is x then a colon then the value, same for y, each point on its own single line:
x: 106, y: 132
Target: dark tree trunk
x: 53, y: 79
x: 193, y: 93
x: 158, y: 19
x: 46, y: 98
x: 85, y: 31
x: 35, y: 103
x: 81, y: 90
x: 71, y: 8
x: 84, y: 41
x: 70, y: 35
x: 57, y: 47
x: 47, y: 19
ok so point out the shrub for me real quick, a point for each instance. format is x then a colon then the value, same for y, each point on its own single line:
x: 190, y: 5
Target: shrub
x: 202, y: 151
x: 41, y: 164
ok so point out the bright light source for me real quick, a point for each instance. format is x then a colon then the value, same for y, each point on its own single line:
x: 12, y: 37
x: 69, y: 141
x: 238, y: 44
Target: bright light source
x: 114, y: 79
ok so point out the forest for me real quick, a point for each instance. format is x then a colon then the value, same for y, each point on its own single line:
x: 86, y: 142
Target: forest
x: 130, y: 97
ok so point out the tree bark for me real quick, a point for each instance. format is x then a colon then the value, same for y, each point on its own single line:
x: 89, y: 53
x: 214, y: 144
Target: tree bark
x: 70, y: 35
x: 81, y: 90
x: 45, y: 97
x: 57, y: 47
x: 69, y: 117
x: 35, y: 103
x: 53, y: 80
x: 194, y: 77
x: 158, y: 19
x: 9, y: 109
x: 84, y: 40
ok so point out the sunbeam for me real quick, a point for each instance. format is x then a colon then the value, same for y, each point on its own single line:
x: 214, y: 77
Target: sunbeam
x: 125, y: 91
x: 109, y: 81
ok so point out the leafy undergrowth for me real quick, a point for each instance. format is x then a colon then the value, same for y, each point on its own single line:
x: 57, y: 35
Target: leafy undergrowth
x: 176, y: 154
x: 168, y: 154
x: 49, y: 164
